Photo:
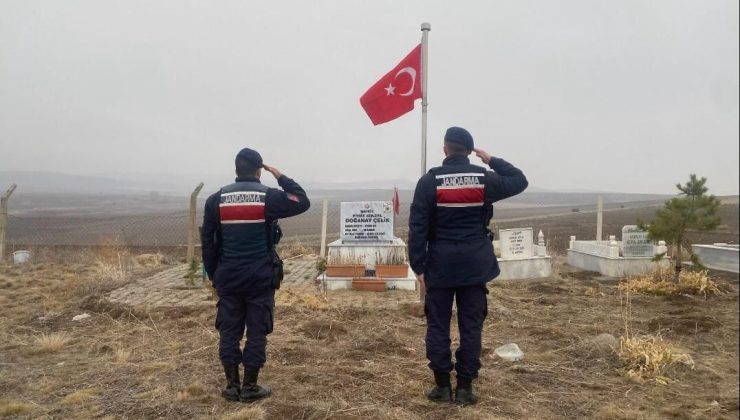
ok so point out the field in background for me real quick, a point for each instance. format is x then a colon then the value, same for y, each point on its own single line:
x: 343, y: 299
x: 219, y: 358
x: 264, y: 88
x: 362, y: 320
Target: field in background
x: 154, y: 220
x: 160, y: 222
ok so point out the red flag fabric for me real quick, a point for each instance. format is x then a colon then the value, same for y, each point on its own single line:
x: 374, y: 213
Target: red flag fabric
x: 394, y: 94
x: 396, y: 202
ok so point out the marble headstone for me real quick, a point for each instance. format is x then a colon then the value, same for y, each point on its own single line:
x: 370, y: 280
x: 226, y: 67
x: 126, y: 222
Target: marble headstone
x: 367, y: 221
x: 635, y: 242
x: 516, y: 243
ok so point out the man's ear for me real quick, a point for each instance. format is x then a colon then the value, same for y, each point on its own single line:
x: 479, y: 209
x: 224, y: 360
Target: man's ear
x: 444, y: 149
x: 259, y: 173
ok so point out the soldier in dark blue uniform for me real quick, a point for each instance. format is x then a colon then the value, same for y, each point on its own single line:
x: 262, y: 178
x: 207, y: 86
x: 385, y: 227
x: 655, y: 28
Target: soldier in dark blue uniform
x: 451, y: 252
x: 239, y: 230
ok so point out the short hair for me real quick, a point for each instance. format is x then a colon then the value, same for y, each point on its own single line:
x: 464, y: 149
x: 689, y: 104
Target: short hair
x: 457, y: 149
x: 245, y: 167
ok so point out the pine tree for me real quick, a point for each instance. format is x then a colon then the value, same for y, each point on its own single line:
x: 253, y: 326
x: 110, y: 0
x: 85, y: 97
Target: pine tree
x: 692, y: 210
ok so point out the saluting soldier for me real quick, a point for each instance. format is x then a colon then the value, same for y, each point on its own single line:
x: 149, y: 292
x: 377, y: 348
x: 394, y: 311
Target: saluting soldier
x: 451, y: 252
x: 239, y: 233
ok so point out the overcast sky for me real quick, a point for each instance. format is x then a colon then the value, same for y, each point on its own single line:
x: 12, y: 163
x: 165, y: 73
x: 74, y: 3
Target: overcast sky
x: 581, y: 94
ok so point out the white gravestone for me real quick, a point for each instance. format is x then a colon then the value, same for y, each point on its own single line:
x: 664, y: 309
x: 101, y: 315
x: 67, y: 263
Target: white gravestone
x: 636, y: 242
x: 367, y: 221
x: 516, y: 243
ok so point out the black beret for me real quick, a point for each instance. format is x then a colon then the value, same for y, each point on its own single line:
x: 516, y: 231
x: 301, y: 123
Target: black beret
x: 460, y: 136
x: 250, y: 156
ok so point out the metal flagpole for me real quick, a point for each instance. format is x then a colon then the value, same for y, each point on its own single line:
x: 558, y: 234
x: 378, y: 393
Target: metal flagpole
x: 425, y: 28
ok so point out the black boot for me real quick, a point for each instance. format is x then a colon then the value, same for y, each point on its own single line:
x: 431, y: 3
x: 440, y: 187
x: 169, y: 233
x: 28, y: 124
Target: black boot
x: 464, y: 393
x: 231, y: 392
x: 250, y: 390
x: 442, y: 392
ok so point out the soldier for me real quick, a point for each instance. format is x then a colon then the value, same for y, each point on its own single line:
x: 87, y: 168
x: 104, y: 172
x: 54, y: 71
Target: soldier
x: 239, y: 233
x: 451, y: 252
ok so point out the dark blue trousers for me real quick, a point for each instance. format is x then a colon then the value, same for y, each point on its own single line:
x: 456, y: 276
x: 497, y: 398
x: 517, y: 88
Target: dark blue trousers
x: 235, y: 312
x: 472, y: 309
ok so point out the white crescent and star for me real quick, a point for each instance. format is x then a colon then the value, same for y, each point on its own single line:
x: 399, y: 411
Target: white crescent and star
x: 392, y: 89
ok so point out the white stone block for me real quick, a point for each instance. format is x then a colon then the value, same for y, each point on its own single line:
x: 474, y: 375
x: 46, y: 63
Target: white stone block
x: 719, y: 257
x: 516, y: 243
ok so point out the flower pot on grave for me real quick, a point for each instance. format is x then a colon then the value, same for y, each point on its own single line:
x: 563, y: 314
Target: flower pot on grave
x: 368, y: 284
x: 391, y: 270
x: 345, y: 270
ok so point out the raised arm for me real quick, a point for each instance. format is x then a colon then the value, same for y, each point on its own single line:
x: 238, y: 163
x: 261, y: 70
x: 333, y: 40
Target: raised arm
x: 290, y: 201
x: 505, y: 181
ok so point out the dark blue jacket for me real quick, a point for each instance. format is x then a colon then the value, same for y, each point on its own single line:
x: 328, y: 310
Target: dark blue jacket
x: 449, y: 241
x: 234, y: 239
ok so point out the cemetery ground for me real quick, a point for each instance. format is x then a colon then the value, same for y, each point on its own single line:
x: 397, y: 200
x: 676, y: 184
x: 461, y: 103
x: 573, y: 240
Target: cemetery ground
x: 352, y: 354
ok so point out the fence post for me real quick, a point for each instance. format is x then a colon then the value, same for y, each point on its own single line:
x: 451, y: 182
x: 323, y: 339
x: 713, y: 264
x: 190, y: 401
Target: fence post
x: 323, y: 228
x: 4, y: 218
x: 191, y: 222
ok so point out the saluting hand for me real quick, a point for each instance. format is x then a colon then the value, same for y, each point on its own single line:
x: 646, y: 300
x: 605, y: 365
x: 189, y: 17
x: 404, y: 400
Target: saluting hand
x: 483, y: 155
x: 273, y: 170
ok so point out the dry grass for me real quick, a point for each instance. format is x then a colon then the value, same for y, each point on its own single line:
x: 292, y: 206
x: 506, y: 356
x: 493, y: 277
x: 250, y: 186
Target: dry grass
x: 121, y: 355
x: 301, y: 300
x: 249, y: 413
x: 14, y: 408
x: 192, y: 391
x: 113, y: 261
x: 80, y: 397
x: 52, y: 342
x: 360, y: 356
x: 660, y: 282
x: 293, y: 248
x: 150, y: 260
x: 649, y: 357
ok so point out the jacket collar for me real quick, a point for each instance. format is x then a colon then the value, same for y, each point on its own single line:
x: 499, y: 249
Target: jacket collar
x: 247, y: 179
x: 456, y: 160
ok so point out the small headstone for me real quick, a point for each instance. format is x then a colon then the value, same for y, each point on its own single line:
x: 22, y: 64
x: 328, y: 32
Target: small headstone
x: 516, y: 243
x: 510, y: 352
x: 636, y: 242
x: 367, y: 221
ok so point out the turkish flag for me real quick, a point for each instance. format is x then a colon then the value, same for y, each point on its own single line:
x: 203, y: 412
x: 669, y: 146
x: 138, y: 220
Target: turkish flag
x: 394, y: 94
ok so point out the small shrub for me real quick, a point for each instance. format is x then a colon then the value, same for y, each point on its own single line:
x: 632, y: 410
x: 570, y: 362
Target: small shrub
x: 321, y: 265
x: 660, y: 282
x: 649, y: 357
x: 52, y: 342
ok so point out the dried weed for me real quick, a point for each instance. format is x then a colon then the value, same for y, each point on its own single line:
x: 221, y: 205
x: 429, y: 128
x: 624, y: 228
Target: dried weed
x: 121, y: 355
x: 660, y: 282
x: 293, y: 249
x: 52, y: 342
x: 649, y: 357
